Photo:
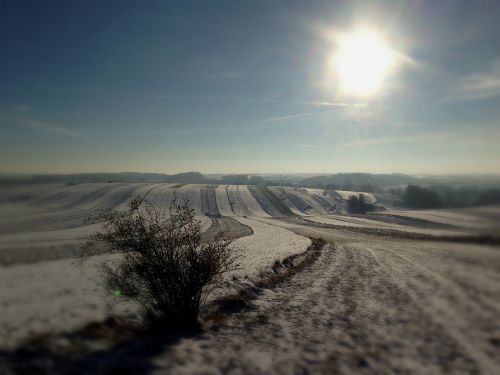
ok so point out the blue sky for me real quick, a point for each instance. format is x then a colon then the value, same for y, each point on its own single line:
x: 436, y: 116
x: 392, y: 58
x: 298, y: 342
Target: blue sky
x: 242, y: 86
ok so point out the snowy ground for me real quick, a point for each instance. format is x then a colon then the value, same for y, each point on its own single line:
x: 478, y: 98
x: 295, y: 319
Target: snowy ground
x: 370, y: 303
x: 62, y: 295
x: 365, y: 306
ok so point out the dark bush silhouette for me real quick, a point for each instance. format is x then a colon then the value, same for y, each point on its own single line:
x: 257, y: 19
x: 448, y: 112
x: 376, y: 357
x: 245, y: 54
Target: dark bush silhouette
x: 359, y: 205
x: 166, y: 267
x: 419, y: 197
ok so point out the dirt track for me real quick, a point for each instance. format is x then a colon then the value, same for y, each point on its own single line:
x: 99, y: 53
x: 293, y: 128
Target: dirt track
x: 366, y: 305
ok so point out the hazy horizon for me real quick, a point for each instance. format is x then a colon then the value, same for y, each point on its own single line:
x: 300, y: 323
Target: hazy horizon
x: 246, y: 173
x: 232, y: 87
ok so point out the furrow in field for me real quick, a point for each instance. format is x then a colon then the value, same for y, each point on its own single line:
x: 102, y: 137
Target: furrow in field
x: 251, y: 203
x: 237, y: 204
x: 161, y: 196
x: 264, y: 201
x: 223, y: 203
x: 326, y: 201
x: 51, y: 214
x: 86, y: 195
x: 304, y: 201
x: 270, y: 201
x: 444, y: 217
x: 280, y: 192
x: 209, y: 202
x: 192, y: 194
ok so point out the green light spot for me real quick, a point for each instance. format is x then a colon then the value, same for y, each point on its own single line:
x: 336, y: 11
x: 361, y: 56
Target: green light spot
x: 117, y: 293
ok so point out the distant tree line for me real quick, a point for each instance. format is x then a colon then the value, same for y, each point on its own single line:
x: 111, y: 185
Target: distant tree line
x: 246, y: 179
x: 421, y: 198
x: 446, y: 197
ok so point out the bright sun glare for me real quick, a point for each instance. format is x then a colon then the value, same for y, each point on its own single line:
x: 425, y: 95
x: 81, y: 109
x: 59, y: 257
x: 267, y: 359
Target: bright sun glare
x: 362, y: 63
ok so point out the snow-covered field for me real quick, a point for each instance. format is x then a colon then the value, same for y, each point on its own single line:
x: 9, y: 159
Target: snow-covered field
x: 60, y: 295
x: 43, y: 222
x: 467, y: 218
x: 39, y: 250
x: 367, y: 290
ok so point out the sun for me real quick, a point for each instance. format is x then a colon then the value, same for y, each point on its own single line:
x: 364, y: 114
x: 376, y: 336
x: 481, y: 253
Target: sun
x: 362, y: 62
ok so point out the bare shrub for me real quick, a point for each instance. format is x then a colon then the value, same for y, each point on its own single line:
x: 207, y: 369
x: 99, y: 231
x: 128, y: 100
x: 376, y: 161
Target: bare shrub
x: 165, y: 266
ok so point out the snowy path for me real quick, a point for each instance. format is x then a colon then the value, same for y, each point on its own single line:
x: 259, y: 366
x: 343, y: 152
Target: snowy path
x: 376, y: 306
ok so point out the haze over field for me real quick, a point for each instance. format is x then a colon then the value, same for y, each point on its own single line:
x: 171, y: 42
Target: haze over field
x: 249, y: 187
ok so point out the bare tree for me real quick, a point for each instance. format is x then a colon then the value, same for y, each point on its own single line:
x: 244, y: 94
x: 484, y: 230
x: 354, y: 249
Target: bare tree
x: 165, y: 266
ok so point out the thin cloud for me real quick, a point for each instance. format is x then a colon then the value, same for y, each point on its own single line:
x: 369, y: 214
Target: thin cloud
x: 368, y: 142
x: 339, y: 104
x: 457, y: 137
x: 476, y: 86
x: 240, y: 99
x: 288, y: 117
x: 306, y: 114
x: 48, y: 127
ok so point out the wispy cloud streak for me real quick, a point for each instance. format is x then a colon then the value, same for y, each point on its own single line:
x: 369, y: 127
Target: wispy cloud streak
x: 289, y: 117
x: 333, y: 107
x: 241, y: 99
x: 48, y: 127
x: 339, y: 104
x: 476, y: 86
x: 457, y: 137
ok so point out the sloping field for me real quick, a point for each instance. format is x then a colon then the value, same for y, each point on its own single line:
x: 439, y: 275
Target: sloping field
x: 39, y: 216
x: 324, y: 199
x: 299, y: 201
x: 305, y: 202
x: 46, y: 222
x: 237, y: 204
x: 29, y: 247
x: 191, y: 193
x: 264, y: 201
x: 355, y: 222
x: 160, y: 195
x: 62, y: 206
x: 209, y: 202
x: 486, y: 212
x: 281, y: 194
x: 251, y: 204
x: 97, y: 196
x: 447, y: 217
x: 269, y: 201
x: 223, y: 203
x: 229, y: 227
